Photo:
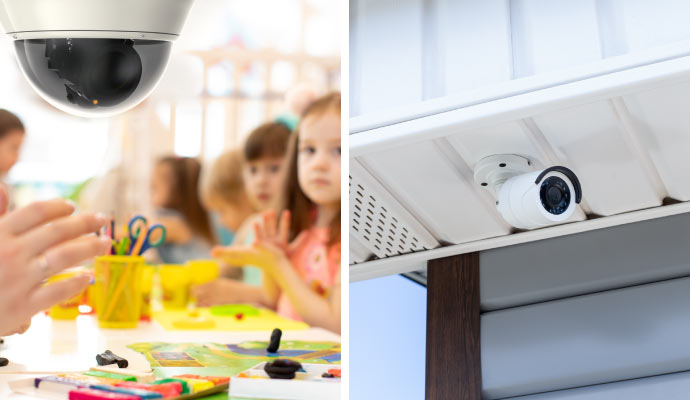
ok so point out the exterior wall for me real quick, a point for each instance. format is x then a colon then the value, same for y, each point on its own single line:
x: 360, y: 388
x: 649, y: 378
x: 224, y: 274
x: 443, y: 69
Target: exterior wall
x: 403, y: 52
x: 587, y: 309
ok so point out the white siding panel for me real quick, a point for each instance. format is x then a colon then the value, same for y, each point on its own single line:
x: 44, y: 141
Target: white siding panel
x: 435, y: 191
x: 589, y: 138
x: 606, y: 337
x: 553, y: 34
x: 388, y: 53
x: 663, y: 116
x: 654, y: 23
x: 475, y: 37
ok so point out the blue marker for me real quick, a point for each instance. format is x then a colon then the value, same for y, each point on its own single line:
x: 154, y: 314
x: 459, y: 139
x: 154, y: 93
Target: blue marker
x: 144, y: 394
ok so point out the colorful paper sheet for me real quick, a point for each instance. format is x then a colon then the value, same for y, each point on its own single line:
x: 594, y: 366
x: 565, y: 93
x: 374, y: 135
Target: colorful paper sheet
x: 203, y: 319
x: 233, y: 358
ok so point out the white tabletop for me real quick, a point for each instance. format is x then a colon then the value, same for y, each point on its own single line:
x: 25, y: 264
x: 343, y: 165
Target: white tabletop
x: 54, y: 346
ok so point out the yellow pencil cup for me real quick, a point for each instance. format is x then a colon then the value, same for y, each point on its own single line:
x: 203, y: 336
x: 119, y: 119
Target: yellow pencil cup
x: 147, y: 273
x: 68, y: 309
x: 175, y: 285
x: 203, y: 271
x: 118, y: 291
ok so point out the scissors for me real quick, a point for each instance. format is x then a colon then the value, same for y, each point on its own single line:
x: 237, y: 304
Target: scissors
x: 140, y: 235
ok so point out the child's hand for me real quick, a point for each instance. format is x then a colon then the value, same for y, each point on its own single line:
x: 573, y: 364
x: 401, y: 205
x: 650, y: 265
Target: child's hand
x: 263, y: 255
x: 220, y: 291
x: 274, y: 232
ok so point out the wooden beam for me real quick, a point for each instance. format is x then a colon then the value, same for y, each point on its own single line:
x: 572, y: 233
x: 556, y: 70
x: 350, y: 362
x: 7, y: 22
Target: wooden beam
x: 453, y: 348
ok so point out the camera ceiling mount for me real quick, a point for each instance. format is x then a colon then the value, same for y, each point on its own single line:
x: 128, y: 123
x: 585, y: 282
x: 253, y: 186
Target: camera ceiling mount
x: 492, y: 171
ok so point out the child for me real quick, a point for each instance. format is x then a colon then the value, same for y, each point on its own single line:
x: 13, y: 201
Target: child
x: 11, y: 139
x: 224, y: 191
x: 174, y: 193
x: 263, y: 154
x: 302, y: 278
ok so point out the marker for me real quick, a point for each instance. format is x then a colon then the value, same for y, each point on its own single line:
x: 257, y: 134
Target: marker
x: 83, y: 380
x: 197, y: 385
x: 167, y: 390
x: 184, y: 384
x: 142, y: 377
x: 142, y: 394
x: 90, y: 394
x: 57, y: 385
x: 111, y: 375
x: 217, y: 380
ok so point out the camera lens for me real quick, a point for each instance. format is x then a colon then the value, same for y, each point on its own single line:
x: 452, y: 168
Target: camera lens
x: 93, y: 77
x: 555, y: 195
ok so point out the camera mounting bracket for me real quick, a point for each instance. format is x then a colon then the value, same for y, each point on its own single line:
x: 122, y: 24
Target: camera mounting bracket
x: 492, y: 171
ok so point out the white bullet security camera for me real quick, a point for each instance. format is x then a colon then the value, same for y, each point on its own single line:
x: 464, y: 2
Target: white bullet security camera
x: 93, y: 58
x: 528, y: 198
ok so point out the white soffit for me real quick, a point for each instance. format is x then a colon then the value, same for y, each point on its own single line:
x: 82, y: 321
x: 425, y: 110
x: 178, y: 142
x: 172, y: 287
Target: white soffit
x: 622, y: 124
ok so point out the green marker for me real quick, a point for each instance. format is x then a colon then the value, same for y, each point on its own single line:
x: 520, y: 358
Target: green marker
x: 110, y: 375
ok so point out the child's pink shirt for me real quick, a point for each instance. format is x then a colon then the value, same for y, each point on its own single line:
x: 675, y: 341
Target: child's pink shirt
x: 316, y: 263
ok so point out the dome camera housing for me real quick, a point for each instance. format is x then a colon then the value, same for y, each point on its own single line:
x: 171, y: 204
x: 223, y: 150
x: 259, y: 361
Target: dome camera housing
x: 93, y: 58
x: 528, y: 198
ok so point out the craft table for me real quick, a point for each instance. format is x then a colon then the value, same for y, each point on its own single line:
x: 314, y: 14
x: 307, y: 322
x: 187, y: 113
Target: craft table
x: 52, y: 346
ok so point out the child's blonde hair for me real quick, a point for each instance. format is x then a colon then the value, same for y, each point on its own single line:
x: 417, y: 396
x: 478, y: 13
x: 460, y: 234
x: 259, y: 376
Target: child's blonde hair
x: 302, y: 207
x: 225, y: 178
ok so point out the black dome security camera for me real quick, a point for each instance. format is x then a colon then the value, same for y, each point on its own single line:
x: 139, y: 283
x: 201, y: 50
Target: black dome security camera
x: 93, y: 57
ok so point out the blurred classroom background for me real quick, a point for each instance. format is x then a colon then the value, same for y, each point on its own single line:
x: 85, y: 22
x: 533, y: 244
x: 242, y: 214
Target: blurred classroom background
x: 229, y: 72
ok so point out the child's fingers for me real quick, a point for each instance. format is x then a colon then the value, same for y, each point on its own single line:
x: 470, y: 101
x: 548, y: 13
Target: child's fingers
x: 63, y: 230
x: 270, y: 222
x: 45, y: 296
x: 284, y: 226
x: 206, y: 301
x: 269, y: 247
x: 199, y: 291
x: 299, y: 240
x: 258, y: 232
x: 230, y: 256
x: 35, y: 214
x: 235, y: 255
